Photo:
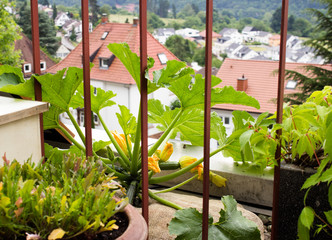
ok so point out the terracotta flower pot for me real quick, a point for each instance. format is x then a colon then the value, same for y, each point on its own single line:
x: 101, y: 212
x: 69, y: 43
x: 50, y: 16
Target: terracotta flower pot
x: 137, y: 228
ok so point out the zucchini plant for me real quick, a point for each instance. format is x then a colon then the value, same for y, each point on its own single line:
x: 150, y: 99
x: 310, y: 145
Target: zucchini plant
x: 64, y: 90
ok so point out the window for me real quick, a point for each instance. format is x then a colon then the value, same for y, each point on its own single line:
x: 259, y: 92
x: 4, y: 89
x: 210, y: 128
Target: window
x: 103, y: 37
x: 162, y: 58
x: 103, y: 63
x: 226, y: 120
x: 81, y: 118
x: 27, y: 67
x: 42, y: 66
x: 95, y: 119
x: 291, y: 84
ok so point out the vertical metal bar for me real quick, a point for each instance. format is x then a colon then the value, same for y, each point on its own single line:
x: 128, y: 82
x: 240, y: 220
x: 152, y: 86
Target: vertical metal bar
x: 36, y: 64
x: 207, y: 112
x: 144, y: 107
x: 281, y: 84
x: 86, y: 77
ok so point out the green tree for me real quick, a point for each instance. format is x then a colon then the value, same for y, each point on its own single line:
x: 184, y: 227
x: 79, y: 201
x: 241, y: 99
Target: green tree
x: 276, y: 20
x: 154, y: 21
x: 107, y: 9
x: 55, y: 12
x: 180, y: 47
x: 73, y: 35
x: 174, y: 11
x: 44, y: 2
x: 9, y: 33
x: 95, y: 10
x: 316, y: 77
x: 199, y: 57
x: 163, y: 8
x: 47, y: 31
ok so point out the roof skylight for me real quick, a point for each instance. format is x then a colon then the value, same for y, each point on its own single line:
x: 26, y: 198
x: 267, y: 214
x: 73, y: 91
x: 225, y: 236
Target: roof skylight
x: 291, y: 84
x: 162, y: 58
x: 104, y: 35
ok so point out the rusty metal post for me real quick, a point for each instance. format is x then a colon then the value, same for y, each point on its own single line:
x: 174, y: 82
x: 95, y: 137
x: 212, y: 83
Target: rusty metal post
x: 86, y: 77
x: 207, y: 116
x: 281, y: 84
x: 36, y: 63
x: 144, y: 107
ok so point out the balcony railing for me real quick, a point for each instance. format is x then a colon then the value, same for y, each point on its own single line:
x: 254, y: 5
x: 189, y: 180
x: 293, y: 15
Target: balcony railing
x: 144, y: 121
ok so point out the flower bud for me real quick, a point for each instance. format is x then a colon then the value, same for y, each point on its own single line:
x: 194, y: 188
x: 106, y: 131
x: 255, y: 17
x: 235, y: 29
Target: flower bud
x: 217, y: 180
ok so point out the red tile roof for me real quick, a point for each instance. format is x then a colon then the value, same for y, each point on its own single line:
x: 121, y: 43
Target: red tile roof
x: 214, y: 34
x: 262, y: 83
x: 25, y: 45
x: 117, y: 33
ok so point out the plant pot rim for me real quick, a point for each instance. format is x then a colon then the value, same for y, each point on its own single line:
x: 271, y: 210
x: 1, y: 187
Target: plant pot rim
x: 137, y: 228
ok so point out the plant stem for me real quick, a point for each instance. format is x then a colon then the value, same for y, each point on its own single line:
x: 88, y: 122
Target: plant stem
x: 133, y: 169
x: 71, y: 138
x: 116, y: 145
x: 313, y: 149
x: 177, y: 186
x: 184, y: 170
x: 78, y: 129
x: 165, y: 134
x: 164, y: 201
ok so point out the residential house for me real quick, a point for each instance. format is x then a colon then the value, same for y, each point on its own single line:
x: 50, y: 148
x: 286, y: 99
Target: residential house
x: 259, y: 80
x: 61, y: 19
x: 188, y: 33
x: 65, y: 48
x: 25, y: 45
x: 161, y: 34
x: 262, y: 37
x: 109, y: 73
x: 233, y: 34
x: 215, y: 35
x: 293, y: 42
x: 249, y: 33
x: 274, y: 40
x: 240, y: 52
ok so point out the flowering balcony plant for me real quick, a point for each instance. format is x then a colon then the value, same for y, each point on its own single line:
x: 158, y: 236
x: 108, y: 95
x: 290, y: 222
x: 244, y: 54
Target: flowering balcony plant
x: 306, y: 141
x: 66, y: 197
x: 64, y: 90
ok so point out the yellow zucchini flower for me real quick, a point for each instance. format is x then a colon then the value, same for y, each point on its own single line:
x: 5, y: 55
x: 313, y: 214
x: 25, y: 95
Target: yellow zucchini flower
x: 186, y: 161
x: 167, y: 152
x: 153, y: 164
x: 121, y: 140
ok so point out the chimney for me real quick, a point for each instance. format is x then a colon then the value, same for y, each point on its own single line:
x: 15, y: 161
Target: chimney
x: 104, y: 18
x: 135, y: 22
x: 242, y: 83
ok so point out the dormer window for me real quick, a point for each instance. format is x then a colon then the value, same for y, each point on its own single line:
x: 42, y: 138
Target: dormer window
x: 27, y: 68
x: 291, y: 84
x: 106, y: 60
x: 42, y: 66
x: 162, y: 58
x: 103, y: 37
x: 103, y: 63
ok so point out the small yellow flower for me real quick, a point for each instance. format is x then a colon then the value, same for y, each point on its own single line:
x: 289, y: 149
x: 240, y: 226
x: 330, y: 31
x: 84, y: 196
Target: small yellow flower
x: 167, y: 152
x: 121, y: 140
x: 187, y: 160
x: 153, y: 164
